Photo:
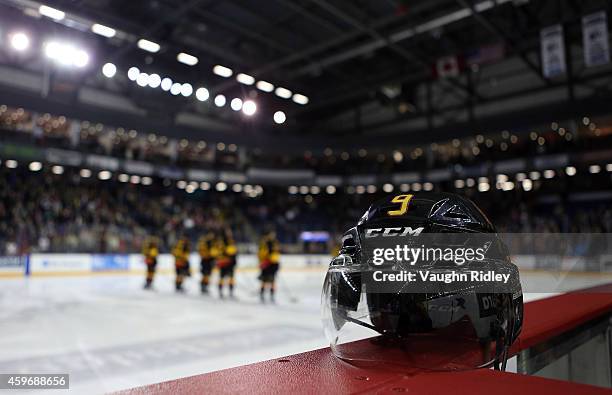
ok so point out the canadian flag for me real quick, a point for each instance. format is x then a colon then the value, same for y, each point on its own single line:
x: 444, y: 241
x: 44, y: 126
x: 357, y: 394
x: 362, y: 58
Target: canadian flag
x: 447, y: 66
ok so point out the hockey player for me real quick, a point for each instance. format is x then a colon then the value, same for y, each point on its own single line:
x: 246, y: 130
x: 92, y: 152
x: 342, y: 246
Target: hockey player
x: 269, y: 258
x: 150, y: 250
x: 226, y: 261
x: 207, y: 252
x: 181, y: 261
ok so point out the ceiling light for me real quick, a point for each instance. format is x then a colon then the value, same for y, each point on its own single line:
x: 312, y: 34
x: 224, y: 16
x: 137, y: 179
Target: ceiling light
x: 264, y: 86
x: 154, y: 80
x: 175, y: 89
x: 57, y: 170
x: 148, y: 46
x: 222, y: 71
x: 283, y: 92
x: 166, y: 84
x: 35, y: 166
x: 85, y: 173
x: 280, y: 117
x: 66, y: 54
x: 570, y: 170
x: 300, y: 99
x: 236, y: 104
x: 202, y: 94
x: 221, y: 186
x: 52, y: 13
x: 187, y: 59
x: 133, y: 73
x: 249, y: 108
x: 245, y: 79
x: 102, y: 30
x: 104, y: 175
x: 220, y: 100
x: 186, y: 89
x: 143, y: 79
x: 20, y: 41
x: 109, y: 70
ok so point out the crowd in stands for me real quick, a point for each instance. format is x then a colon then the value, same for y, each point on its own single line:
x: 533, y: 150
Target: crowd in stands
x: 47, y: 130
x: 42, y: 211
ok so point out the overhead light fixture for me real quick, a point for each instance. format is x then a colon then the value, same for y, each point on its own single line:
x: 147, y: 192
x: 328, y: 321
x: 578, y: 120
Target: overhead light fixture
x: 175, y: 89
x: 85, y: 173
x: 109, y: 70
x: 35, y: 166
x: 220, y: 100
x: 187, y: 59
x: 264, y: 86
x: 148, y: 46
x: 300, y: 99
x: 102, y: 30
x: 133, y: 73
x: 249, y: 108
x: 57, y: 169
x: 166, y: 84
x: 143, y: 79
x: 154, y: 80
x: 51, y: 12
x: 186, y: 89
x: 245, y: 79
x: 283, y: 92
x: 104, y: 175
x: 66, y: 54
x: 222, y: 71
x: 280, y: 117
x: 20, y: 41
x: 202, y: 94
x: 236, y: 104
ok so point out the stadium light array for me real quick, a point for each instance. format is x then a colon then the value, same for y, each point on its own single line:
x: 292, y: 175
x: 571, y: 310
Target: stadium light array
x: 148, y: 45
x: 202, y: 94
x: 245, y: 79
x: 236, y: 104
x: 279, y: 117
x: 103, y: 31
x: 220, y: 100
x: 300, y: 99
x: 51, y: 12
x: 283, y: 93
x: 109, y: 70
x: 222, y: 71
x: 249, y: 108
x: 187, y: 59
x: 66, y: 54
x: 20, y: 41
x: 264, y: 86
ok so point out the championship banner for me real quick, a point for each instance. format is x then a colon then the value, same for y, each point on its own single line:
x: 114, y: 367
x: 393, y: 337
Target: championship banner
x: 552, y: 51
x: 595, y: 39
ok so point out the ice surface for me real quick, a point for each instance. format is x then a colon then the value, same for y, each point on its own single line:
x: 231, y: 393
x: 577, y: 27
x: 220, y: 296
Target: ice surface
x: 110, y: 334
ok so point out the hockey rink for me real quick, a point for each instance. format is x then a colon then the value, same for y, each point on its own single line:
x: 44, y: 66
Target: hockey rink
x: 110, y: 334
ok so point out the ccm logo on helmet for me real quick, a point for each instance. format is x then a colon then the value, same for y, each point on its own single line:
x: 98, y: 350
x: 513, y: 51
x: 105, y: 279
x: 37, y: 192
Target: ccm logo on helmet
x: 392, y: 232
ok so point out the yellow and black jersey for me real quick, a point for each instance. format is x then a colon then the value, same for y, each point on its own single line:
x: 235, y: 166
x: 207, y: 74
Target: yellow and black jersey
x: 226, y: 250
x: 269, y: 251
x: 206, y: 247
x: 150, y: 250
x: 181, y: 250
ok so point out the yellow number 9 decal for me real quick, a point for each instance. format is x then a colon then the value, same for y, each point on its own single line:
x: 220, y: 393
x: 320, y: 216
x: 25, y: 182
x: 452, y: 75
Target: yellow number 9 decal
x: 403, y: 200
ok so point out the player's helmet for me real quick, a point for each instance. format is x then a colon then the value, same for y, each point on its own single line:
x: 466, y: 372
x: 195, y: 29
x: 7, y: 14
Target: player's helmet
x: 449, y: 326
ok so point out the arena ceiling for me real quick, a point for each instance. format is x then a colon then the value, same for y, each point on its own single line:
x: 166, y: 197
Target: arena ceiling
x: 369, y: 69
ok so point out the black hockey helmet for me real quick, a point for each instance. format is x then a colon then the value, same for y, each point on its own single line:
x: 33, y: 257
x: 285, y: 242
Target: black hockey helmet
x: 431, y: 325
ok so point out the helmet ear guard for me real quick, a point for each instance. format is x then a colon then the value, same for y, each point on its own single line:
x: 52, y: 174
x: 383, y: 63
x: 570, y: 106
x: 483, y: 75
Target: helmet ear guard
x: 442, y: 330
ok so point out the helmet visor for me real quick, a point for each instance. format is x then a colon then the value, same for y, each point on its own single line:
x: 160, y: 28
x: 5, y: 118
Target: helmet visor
x: 438, y: 331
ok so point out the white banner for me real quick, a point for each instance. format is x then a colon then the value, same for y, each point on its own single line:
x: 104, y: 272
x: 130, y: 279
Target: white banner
x: 553, y: 51
x: 595, y: 39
